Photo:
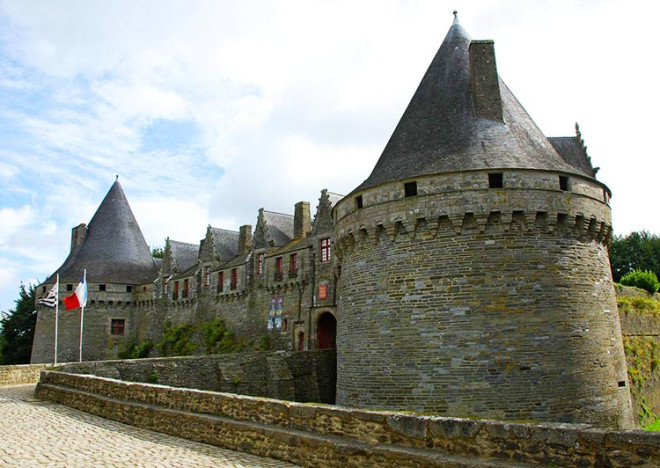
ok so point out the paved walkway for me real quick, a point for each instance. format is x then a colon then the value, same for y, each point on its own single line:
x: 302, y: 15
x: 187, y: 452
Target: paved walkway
x: 39, y: 433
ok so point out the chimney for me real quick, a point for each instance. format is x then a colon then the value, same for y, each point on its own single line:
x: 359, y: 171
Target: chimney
x: 302, y: 223
x: 78, y: 235
x: 484, y: 83
x: 244, y: 239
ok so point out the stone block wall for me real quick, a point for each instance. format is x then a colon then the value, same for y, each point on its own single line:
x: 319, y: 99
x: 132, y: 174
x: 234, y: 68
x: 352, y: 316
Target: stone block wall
x: 472, y: 301
x: 296, y: 376
x: 21, y: 374
x: 321, y: 435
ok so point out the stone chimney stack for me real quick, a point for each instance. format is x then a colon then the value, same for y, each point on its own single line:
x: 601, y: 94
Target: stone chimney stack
x: 302, y: 222
x: 244, y: 239
x: 484, y: 83
x: 78, y: 235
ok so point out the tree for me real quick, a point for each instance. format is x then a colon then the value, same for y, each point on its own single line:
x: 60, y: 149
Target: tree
x: 18, y: 329
x: 636, y: 251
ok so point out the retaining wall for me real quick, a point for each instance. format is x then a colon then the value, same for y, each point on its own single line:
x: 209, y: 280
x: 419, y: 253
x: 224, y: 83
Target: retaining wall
x: 322, y: 435
x: 21, y: 374
x: 287, y: 375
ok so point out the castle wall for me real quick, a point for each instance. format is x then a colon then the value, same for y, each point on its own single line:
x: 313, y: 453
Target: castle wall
x: 480, y: 302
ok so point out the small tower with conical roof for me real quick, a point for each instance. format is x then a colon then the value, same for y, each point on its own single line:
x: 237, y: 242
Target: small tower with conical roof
x: 117, y: 259
x: 475, y: 278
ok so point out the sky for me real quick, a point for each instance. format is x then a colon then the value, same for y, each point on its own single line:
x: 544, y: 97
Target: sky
x: 210, y: 110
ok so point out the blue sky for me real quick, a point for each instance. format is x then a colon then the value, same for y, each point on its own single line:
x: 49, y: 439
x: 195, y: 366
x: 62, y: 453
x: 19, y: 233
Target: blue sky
x: 209, y: 110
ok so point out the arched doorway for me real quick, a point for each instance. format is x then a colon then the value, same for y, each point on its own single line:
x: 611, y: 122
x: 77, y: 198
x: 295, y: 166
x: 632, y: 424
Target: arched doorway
x: 326, y: 331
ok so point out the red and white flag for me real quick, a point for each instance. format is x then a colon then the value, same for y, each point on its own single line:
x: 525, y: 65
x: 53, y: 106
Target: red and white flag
x: 79, y: 296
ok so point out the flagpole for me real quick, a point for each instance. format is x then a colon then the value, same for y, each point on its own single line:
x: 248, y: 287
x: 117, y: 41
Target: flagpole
x: 57, y: 300
x: 82, y: 315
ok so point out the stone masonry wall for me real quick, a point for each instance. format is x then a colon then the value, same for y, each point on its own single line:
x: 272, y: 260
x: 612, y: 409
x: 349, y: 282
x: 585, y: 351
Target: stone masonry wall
x: 297, y: 376
x: 327, y: 436
x: 21, y: 374
x: 477, y: 302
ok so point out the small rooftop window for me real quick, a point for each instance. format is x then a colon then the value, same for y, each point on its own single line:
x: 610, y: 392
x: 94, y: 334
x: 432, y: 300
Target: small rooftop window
x: 358, y: 201
x: 101, y: 287
x: 129, y: 289
x: 563, y: 183
x: 495, y: 180
x: 410, y: 189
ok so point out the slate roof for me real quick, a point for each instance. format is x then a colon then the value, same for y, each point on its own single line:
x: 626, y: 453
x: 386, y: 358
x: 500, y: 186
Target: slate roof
x: 226, y: 243
x: 572, y: 150
x: 279, y: 227
x: 184, y: 255
x: 114, y: 250
x: 439, y: 132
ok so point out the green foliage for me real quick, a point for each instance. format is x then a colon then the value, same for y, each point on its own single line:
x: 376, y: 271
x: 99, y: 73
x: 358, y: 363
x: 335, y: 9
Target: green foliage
x: 643, y: 358
x: 17, y: 329
x: 646, y: 280
x: 636, y: 251
x: 153, y: 377
x: 158, y: 252
x: 638, y: 305
x: 654, y: 426
x: 263, y: 343
x: 177, y: 341
x: 134, y: 351
x: 217, y: 339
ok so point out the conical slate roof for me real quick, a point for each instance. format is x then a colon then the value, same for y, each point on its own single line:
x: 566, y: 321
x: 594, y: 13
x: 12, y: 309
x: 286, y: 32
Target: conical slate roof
x: 440, y: 132
x: 114, y: 249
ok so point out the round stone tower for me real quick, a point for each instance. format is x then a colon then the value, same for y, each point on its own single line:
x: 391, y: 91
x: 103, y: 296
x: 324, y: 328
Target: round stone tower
x: 474, y: 273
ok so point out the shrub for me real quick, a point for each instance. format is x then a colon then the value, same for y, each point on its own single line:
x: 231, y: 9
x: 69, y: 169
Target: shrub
x: 217, y: 339
x: 645, y: 280
x: 177, y: 341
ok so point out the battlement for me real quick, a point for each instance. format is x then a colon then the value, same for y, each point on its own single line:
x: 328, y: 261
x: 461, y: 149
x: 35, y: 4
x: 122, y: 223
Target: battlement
x: 565, y: 225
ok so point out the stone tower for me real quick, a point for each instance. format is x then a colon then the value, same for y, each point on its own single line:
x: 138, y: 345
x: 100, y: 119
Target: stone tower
x: 474, y: 272
x: 117, y: 258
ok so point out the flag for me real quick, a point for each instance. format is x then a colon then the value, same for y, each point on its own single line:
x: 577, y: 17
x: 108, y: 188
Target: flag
x: 79, y: 296
x: 51, y: 298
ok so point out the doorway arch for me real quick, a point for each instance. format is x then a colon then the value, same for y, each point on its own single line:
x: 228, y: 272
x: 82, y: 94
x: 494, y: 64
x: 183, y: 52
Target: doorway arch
x: 326, y: 331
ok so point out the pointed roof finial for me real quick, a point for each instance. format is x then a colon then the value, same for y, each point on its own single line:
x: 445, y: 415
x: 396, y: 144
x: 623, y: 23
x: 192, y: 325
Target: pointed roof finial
x: 117, y: 177
x: 455, y: 17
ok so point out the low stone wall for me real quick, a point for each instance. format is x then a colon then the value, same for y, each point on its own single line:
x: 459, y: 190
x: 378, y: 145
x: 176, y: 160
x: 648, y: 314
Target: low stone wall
x: 21, y: 374
x: 307, y: 376
x: 322, y: 435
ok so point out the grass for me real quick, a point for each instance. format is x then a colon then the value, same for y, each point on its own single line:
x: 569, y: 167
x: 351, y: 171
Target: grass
x: 654, y: 426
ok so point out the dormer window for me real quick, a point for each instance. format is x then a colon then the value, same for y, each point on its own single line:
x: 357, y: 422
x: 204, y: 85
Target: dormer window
x: 495, y: 180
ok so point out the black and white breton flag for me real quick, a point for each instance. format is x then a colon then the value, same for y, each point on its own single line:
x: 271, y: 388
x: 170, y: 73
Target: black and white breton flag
x: 51, y: 299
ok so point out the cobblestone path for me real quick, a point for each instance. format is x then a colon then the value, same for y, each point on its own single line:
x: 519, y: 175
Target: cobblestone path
x: 38, y: 433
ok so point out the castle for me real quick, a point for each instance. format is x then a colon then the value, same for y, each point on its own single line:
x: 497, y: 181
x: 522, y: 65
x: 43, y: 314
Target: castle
x: 468, y: 275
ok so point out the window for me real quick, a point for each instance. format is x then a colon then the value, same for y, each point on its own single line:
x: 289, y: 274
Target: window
x: 358, y: 202
x: 221, y: 282
x: 260, y: 264
x: 278, y: 268
x: 323, y: 291
x: 234, y: 278
x: 563, y: 183
x: 117, y: 327
x: 175, y: 293
x: 285, y: 324
x: 186, y: 287
x: 410, y: 189
x: 102, y: 287
x: 207, y: 276
x: 43, y: 288
x: 495, y: 180
x: 326, y: 250
x: 129, y: 288
x: 293, y: 262
x: 69, y: 287
x: 301, y: 341
x: 164, y: 287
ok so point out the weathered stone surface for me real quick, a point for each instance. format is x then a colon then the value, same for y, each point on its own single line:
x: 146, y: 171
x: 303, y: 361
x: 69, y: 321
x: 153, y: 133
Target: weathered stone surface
x: 322, y: 435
